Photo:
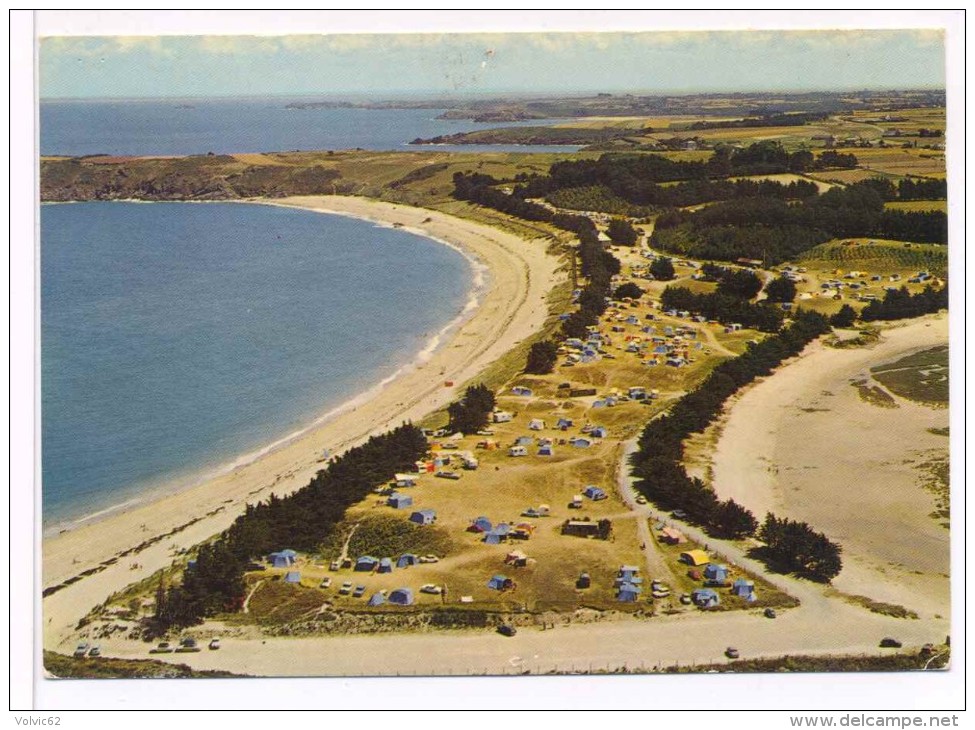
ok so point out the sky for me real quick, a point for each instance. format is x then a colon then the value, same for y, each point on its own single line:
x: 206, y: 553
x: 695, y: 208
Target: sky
x: 432, y: 65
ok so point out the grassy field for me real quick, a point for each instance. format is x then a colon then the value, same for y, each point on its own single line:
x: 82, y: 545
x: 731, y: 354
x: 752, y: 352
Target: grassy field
x: 902, y: 162
x: 503, y: 487
x: 66, y: 667
x: 938, y: 205
x: 877, y: 256
x: 921, y: 377
x: 787, y: 178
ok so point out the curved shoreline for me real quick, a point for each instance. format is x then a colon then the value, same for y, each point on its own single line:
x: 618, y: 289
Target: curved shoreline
x: 793, y: 444
x: 513, y: 306
x: 187, y: 478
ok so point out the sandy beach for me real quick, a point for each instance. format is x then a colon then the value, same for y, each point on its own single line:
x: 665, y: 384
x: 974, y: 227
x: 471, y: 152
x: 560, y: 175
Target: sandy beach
x: 512, y: 306
x: 804, y: 445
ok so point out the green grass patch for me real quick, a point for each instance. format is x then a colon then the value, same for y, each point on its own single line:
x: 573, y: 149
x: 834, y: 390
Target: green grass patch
x: 66, y: 667
x: 921, y: 377
x: 918, y: 205
x: 878, y: 256
x: 935, y: 474
x: 391, y: 536
x: 885, y: 609
x: 874, y: 394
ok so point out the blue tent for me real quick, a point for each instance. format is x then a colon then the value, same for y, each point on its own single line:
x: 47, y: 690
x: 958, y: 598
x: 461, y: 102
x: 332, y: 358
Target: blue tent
x: 743, y: 588
x: 594, y: 493
x: 705, y: 598
x: 581, y: 443
x: 366, y: 564
x: 628, y: 592
x: 399, y: 501
x: 502, y: 528
x: 385, y: 565
x: 564, y: 423
x: 599, y: 432
x: 293, y: 576
x: 377, y: 599
x: 401, y: 597
x: 482, y: 524
x: 545, y: 450
x: 713, y: 571
x: 599, y: 403
x: 406, y: 560
x: 522, y: 391
x: 500, y: 583
x: 424, y: 517
x: 282, y: 559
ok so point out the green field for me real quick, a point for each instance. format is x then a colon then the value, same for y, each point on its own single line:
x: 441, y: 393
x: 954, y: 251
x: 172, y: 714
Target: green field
x: 921, y: 377
x: 913, y: 205
x: 878, y: 256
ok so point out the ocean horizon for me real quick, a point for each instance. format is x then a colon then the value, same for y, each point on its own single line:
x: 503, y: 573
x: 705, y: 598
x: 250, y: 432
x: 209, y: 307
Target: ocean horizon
x: 145, y: 127
x: 180, y: 340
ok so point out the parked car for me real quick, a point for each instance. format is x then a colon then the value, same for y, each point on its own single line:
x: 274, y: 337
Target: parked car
x: 770, y: 613
x: 214, y: 644
x: 346, y: 589
x: 431, y: 588
x: 448, y: 475
x: 95, y: 651
x: 429, y: 559
x: 507, y: 630
x: 326, y: 582
x: 187, y: 644
x: 641, y: 499
x: 359, y: 591
x: 81, y: 649
x: 163, y: 647
x: 685, y: 598
x: 890, y: 643
x: 334, y: 565
x: 678, y: 514
x: 731, y: 652
x: 347, y: 563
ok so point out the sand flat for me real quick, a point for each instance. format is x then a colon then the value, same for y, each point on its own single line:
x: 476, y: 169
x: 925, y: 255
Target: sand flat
x: 513, y: 306
x: 804, y: 444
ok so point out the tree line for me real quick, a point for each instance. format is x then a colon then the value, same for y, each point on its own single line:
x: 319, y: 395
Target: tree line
x: 766, y: 120
x: 901, y: 304
x: 724, y: 308
x: 661, y: 475
x: 470, y: 414
x: 775, y: 230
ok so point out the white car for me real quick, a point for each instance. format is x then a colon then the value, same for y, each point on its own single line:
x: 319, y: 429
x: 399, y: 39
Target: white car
x: 641, y: 499
x: 326, y: 582
x: 431, y: 588
x: 346, y: 588
x: 429, y: 559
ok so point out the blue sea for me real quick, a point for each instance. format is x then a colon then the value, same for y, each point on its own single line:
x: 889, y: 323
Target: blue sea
x: 224, y: 126
x: 178, y: 336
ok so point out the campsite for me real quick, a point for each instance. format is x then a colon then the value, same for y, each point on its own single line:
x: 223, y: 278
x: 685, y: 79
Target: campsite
x: 532, y: 518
